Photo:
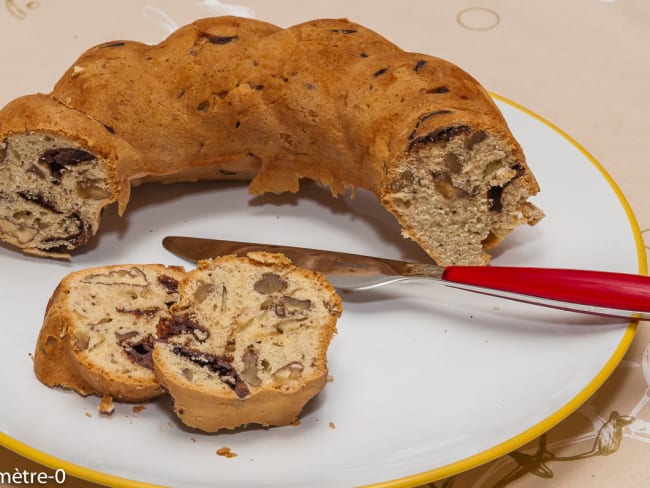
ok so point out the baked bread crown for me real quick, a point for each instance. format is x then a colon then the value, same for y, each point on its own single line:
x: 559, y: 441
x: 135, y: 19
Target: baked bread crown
x: 228, y: 97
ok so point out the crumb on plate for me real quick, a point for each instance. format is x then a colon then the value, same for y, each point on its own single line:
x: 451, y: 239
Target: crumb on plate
x: 226, y: 452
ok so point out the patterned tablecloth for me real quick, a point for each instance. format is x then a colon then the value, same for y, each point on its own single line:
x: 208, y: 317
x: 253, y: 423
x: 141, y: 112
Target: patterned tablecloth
x: 582, y: 65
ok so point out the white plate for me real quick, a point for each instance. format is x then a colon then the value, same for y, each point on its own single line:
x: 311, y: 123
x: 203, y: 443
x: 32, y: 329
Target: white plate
x: 427, y: 381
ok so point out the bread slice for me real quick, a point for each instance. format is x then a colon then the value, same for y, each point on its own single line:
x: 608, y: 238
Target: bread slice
x: 99, y: 330
x: 247, y: 342
x: 238, y: 340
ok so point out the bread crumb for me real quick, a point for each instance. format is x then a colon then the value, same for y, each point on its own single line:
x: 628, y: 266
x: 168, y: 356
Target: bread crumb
x: 138, y: 408
x: 88, y: 415
x: 193, y: 439
x: 330, y: 378
x: 106, y: 406
x: 226, y: 452
x: 296, y: 422
x: 332, y: 425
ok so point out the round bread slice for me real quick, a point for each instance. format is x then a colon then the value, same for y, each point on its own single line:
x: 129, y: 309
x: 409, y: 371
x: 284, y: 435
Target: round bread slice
x: 247, y: 342
x: 99, y: 330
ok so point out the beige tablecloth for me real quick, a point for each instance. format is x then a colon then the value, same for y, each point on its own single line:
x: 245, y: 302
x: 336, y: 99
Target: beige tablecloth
x: 583, y: 65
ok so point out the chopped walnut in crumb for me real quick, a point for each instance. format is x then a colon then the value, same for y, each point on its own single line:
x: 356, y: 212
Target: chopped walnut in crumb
x: 106, y: 406
x: 226, y: 452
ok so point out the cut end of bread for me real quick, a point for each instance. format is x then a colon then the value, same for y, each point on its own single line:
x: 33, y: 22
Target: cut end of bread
x: 52, y: 193
x: 458, y: 192
x: 247, y: 343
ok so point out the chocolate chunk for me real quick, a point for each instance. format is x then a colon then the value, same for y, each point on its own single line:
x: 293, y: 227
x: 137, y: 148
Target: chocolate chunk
x: 141, y: 352
x: 222, y: 39
x: 343, y: 31
x: 363, y: 55
x: 419, y: 65
x: 84, y: 233
x: 113, y: 44
x: 81, y: 236
x: 139, y: 312
x: 424, y: 117
x: 495, y: 192
x: 494, y: 196
x: 109, y: 129
x: 444, y: 134
x: 219, y: 364
x: 438, y: 89
x: 180, y: 324
x: 380, y: 72
x: 169, y: 283
x: 203, y: 106
x: 39, y: 200
x: 59, y: 159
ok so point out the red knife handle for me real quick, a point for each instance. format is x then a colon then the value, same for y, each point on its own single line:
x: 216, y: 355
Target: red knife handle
x: 595, y: 288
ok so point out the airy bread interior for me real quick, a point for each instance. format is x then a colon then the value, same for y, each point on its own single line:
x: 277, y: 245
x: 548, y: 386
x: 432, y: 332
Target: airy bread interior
x: 250, y: 334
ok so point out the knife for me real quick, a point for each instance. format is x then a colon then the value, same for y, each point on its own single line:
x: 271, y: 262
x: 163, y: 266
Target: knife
x: 593, y: 292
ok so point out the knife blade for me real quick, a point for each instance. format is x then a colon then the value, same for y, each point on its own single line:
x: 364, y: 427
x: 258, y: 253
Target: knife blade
x: 603, y: 293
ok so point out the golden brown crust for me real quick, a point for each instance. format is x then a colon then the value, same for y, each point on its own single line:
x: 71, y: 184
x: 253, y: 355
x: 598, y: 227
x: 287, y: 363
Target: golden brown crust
x: 52, y: 362
x: 205, y: 410
x: 328, y: 100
